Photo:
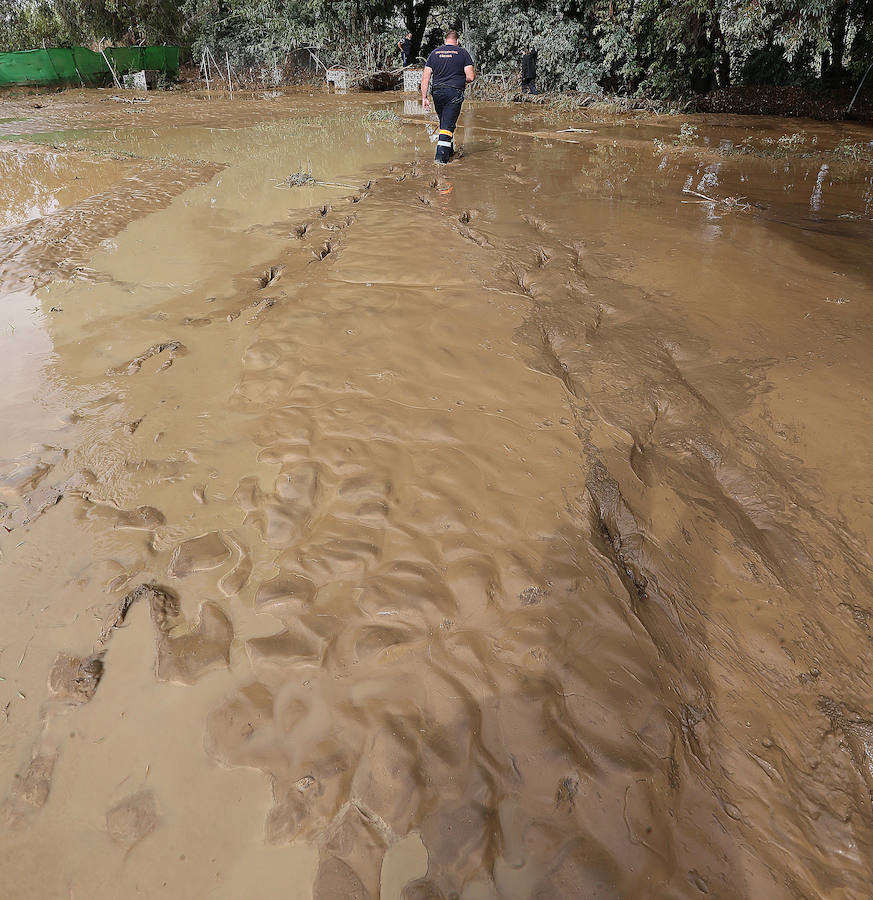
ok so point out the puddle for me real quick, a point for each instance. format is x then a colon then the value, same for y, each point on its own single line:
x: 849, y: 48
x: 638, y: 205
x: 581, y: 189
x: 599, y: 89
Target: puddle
x: 35, y: 182
x: 495, y: 530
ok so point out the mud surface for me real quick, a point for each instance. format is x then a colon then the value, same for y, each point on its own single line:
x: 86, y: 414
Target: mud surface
x: 498, y: 530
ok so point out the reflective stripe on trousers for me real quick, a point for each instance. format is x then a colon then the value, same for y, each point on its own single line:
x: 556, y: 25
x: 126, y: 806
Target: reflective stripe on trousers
x: 447, y: 103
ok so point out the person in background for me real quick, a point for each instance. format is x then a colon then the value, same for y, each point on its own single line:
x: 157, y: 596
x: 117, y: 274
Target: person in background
x: 406, y: 48
x: 451, y: 68
x: 529, y: 71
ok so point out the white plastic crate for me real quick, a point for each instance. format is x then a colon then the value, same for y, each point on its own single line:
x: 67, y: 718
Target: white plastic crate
x: 339, y: 78
x: 135, y: 81
x: 412, y: 80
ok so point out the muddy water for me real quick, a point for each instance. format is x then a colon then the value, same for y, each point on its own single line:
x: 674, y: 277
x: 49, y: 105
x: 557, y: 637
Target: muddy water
x: 493, y: 531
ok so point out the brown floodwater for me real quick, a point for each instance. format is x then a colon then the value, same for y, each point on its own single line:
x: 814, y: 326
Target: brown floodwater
x: 500, y: 530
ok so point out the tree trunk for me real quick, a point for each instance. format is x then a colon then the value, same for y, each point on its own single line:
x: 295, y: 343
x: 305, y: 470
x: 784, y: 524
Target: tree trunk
x: 837, y: 34
x: 723, y: 60
x: 703, y: 41
x: 416, y: 15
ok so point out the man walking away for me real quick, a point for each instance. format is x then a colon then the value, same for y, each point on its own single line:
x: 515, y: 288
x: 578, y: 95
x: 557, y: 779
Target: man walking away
x: 451, y: 68
x: 529, y: 72
x: 406, y: 48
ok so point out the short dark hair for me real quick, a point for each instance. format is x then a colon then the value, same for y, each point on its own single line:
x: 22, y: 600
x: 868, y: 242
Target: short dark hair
x: 452, y: 34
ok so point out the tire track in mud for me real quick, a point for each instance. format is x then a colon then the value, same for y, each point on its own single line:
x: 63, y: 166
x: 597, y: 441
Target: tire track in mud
x: 752, y: 508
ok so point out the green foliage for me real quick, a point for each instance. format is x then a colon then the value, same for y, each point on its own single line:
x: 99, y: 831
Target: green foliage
x: 121, y: 21
x: 653, y: 48
x: 262, y: 32
x: 28, y: 25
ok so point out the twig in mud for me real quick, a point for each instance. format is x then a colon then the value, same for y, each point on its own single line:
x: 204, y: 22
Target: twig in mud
x: 730, y: 202
x: 302, y: 179
x: 26, y: 648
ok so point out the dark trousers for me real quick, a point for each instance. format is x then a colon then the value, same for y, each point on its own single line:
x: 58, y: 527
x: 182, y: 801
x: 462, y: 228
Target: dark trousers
x: 529, y: 86
x: 447, y: 103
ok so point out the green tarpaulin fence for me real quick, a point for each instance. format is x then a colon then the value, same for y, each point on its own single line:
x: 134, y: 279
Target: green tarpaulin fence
x: 79, y: 65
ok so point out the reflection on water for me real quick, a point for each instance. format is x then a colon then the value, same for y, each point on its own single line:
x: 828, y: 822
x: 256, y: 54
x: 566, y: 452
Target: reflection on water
x: 36, y: 183
x: 415, y: 108
x: 503, y: 530
x: 815, y: 200
x: 25, y: 351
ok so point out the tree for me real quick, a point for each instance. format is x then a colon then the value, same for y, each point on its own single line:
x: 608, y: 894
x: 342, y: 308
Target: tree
x: 416, y: 14
x: 669, y: 48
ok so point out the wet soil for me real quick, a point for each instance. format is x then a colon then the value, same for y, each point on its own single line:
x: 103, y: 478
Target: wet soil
x: 494, y: 530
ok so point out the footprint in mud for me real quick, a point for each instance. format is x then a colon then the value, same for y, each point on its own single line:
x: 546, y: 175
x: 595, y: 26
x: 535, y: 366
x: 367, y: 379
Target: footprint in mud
x: 199, y: 554
x: 423, y: 200
x: 471, y: 234
x: 172, y: 348
x: 143, y: 518
x: 346, y: 223
x: 522, y: 279
x: 197, y: 322
x: 537, y: 223
x: 323, y: 251
x: 133, y: 818
x: 75, y: 678
x: 301, y: 230
x: 41, y: 499
x: 73, y: 682
x: 260, y: 308
x: 543, y: 257
x: 271, y: 275
x: 30, y: 789
x: 204, y: 647
x: 324, y: 210
x: 468, y: 216
x: 267, y: 355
